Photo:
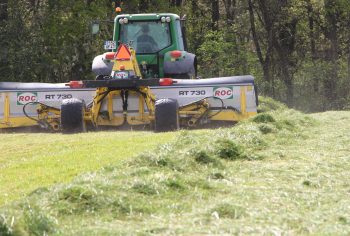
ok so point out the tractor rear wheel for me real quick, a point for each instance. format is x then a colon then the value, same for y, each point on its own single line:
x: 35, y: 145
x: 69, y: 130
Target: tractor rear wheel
x: 72, y: 116
x: 166, y: 115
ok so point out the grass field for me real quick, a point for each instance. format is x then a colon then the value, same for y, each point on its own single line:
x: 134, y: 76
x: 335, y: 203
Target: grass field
x: 281, y: 173
x: 29, y: 161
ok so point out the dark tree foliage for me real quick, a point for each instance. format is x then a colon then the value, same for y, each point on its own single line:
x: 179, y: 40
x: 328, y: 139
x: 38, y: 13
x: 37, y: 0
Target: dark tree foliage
x: 298, y: 50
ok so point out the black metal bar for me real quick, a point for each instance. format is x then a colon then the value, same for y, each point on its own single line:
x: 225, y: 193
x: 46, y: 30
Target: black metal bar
x: 120, y: 83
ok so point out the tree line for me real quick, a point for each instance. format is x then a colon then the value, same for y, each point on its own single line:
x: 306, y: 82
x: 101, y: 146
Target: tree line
x: 298, y: 50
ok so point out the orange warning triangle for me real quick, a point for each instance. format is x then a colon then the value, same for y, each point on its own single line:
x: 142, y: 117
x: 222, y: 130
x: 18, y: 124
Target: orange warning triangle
x: 123, y: 53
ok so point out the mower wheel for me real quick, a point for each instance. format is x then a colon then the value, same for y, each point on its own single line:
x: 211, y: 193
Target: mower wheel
x: 72, y: 116
x: 166, y: 115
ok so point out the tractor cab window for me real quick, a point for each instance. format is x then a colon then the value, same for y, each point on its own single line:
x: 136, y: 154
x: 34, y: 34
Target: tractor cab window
x: 146, y: 36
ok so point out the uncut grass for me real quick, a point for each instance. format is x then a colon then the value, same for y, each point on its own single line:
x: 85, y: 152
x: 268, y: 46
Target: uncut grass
x: 245, y: 179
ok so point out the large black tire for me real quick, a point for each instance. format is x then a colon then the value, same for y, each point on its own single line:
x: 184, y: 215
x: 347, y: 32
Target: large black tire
x: 72, y: 116
x: 166, y: 115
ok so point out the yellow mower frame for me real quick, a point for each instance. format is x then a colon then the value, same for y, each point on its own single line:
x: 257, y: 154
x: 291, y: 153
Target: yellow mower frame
x: 107, y: 89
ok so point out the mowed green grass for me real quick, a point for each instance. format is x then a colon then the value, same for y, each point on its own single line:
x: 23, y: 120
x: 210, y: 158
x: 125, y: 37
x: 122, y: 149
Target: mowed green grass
x: 32, y: 160
x: 280, y: 173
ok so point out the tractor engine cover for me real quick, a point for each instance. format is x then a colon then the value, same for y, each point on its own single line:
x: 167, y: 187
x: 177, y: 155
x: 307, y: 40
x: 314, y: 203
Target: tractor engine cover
x: 183, y: 64
x: 101, y: 66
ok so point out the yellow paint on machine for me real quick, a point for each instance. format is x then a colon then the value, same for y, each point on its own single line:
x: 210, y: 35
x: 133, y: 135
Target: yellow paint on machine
x: 195, y: 111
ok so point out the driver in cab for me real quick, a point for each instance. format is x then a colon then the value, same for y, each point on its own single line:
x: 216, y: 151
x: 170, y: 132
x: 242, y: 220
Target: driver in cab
x: 146, y: 43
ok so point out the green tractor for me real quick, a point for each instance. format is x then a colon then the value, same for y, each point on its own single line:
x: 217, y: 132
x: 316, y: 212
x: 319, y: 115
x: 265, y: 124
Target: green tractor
x: 160, y: 44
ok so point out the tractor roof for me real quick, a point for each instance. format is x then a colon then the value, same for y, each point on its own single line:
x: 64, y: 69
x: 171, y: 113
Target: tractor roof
x: 153, y: 16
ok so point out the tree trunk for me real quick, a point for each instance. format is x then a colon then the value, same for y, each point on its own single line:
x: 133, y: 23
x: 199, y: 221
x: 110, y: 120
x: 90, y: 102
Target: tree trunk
x: 215, y: 14
x: 311, y: 23
x: 349, y: 60
x: 311, y: 20
x: 88, y: 2
x: 3, y: 10
x: 331, y: 33
x: 176, y: 3
x: 290, y: 92
x: 348, y: 42
x: 280, y: 31
x: 254, y: 34
x: 143, y: 5
x: 230, y: 6
x: 265, y: 61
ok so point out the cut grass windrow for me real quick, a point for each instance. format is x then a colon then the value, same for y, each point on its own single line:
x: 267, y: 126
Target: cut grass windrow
x: 281, y: 172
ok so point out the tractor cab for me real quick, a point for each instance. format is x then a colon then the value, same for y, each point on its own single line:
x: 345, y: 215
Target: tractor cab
x: 159, y: 43
x: 149, y: 37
